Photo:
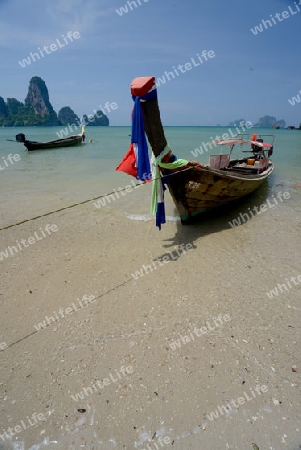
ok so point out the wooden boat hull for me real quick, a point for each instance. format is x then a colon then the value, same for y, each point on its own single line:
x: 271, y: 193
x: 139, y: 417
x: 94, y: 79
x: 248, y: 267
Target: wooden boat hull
x: 196, y: 188
x: 66, y: 142
x: 195, y: 191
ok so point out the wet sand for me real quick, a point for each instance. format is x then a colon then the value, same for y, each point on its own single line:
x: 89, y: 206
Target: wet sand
x: 168, y: 393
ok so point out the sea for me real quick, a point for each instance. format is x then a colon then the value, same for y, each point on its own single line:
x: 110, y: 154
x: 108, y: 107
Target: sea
x: 39, y: 182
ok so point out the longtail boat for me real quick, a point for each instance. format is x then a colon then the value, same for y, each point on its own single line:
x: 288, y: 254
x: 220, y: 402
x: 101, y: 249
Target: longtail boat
x: 69, y: 141
x: 194, y: 187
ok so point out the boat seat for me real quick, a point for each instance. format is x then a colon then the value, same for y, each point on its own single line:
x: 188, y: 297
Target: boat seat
x: 219, y: 161
x: 245, y: 170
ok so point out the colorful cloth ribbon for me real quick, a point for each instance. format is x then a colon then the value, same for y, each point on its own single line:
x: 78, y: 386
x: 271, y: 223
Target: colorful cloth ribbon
x: 157, y: 202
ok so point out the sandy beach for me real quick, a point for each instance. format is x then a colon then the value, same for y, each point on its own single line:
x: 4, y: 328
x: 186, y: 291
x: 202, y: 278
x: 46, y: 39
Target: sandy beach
x: 115, y: 335
x: 103, y: 374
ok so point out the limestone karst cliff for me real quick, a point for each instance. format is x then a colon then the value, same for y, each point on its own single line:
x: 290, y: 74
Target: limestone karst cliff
x: 38, y: 111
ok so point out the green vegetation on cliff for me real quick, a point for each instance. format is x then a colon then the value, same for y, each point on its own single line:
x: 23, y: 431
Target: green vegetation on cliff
x: 38, y: 111
x: 98, y: 120
x: 20, y: 115
x: 67, y: 116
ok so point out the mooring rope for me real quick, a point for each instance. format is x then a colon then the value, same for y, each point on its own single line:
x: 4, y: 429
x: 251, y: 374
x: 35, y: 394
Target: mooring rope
x: 68, y: 207
x: 82, y: 203
x: 98, y: 297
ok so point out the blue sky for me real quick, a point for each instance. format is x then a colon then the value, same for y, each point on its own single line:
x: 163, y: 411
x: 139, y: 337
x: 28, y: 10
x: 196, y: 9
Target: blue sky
x: 249, y: 76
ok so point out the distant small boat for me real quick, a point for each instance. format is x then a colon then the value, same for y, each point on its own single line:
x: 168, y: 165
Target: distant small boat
x: 70, y: 141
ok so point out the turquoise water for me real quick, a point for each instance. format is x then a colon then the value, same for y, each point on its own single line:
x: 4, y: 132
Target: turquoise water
x: 46, y: 180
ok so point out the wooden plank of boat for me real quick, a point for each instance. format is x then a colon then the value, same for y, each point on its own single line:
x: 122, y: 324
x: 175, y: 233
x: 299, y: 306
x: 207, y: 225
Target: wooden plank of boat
x: 70, y: 141
x: 197, y: 191
x: 198, y: 188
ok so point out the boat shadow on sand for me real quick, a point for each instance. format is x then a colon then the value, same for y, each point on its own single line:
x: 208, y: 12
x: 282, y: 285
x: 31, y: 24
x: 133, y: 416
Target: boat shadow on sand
x: 216, y: 220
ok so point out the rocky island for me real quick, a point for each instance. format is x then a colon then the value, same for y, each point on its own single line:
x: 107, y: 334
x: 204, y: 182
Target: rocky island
x: 38, y: 111
x: 270, y: 122
x: 263, y: 122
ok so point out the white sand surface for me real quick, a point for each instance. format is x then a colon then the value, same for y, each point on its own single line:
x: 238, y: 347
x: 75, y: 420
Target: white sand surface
x: 169, y: 393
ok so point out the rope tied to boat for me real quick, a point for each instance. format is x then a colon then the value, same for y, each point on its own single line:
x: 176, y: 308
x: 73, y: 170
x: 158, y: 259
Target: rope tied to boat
x: 156, y: 164
x: 74, y: 205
